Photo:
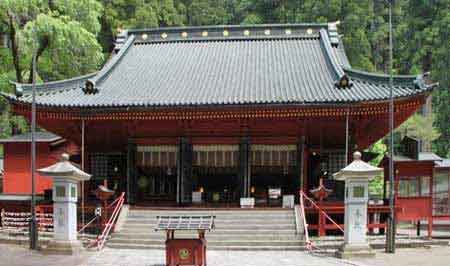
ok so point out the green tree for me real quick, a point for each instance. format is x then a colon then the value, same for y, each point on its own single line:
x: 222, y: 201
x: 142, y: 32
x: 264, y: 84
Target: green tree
x: 62, y: 33
x: 376, y: 185
x: 51, y: 29
x: 441, y: 72
x: 419, y: 127
x: 207, y: 12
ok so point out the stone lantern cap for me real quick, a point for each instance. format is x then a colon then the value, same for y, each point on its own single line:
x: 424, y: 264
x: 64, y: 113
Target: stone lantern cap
x: 64, y: 169
x: 358, y: 169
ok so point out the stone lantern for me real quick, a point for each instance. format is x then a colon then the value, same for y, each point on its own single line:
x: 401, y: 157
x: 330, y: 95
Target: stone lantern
x: 66, y: 177
x: 356, y: 176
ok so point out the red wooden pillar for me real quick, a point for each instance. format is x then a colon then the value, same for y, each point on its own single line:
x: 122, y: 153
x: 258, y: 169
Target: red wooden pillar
x: 370, y: 220
x: 430, y: 217
x: 322, y: 231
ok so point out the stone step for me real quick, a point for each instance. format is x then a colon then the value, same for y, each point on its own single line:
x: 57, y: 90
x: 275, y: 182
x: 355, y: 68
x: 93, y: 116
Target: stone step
x: 221, y: 217
x: 252, y: 220
x: 234, y: 230
x: 217, y: 214
x: 133, y: 230
x: 212, y: 236
x: 227, y: 226
x: 224, y: 224
x: 213, y: 243
x: 243, y: 248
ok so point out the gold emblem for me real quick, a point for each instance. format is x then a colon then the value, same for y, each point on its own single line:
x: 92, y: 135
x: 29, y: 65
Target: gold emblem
x: 184, y: 253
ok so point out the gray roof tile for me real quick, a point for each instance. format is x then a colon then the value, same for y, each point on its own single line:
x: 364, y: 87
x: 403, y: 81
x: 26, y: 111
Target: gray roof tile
x: 40, y: 136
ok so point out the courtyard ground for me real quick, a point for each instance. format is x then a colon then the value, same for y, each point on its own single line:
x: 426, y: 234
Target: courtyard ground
x: 13, y: 255
x: 434, y: 256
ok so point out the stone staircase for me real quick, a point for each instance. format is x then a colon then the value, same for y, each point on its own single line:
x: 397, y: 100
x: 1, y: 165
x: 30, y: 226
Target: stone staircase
x: 235, y: 229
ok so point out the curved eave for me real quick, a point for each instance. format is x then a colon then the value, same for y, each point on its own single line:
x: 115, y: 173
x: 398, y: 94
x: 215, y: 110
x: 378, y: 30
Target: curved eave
x: 12, y: 99
x: 418, y: 81
x: 56, y: 85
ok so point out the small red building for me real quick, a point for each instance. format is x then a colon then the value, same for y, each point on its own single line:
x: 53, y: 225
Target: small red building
x: 17, y: 160
x: 421, y: 184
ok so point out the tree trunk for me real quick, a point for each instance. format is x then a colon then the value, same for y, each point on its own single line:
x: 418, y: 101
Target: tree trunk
x: 41, y: 48
x: 14, y: 48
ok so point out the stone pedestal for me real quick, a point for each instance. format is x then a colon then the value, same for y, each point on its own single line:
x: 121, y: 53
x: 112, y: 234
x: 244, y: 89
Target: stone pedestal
x: 62, y: 247
x: 247, y: 202
x: 356, y: 176
x: 354, y: 251
x: 65, y: 184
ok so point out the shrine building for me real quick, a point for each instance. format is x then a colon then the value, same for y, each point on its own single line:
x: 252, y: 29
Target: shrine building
x: 227, y: 111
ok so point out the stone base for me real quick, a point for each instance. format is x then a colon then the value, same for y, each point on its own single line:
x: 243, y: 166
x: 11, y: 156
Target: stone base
x: 59, y: 247
x: 355, y: 251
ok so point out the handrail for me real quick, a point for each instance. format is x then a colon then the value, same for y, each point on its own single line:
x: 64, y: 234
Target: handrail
x: 322, y: 211
x: 305, y: 224
x: 112, y: 203
x: 101, y: 239
x: 86, y: 225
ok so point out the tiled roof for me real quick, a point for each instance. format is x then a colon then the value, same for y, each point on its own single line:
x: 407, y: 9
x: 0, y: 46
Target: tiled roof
x: 226, y: 65
x: 41, y: 136
x: 429, y: 156
x: 445, y: 163
x: 423, y: 156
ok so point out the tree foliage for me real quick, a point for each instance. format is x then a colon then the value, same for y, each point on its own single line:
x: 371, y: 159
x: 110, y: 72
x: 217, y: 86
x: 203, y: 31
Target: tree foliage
x: 67, y: 34
x: 376, y: 185
x: 61, y: 33
x: 419, y: 127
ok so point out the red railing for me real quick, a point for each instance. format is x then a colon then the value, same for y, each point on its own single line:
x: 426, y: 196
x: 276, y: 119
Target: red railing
x: 324, y: 210
x: 322, y: 213
x: 101, y: 239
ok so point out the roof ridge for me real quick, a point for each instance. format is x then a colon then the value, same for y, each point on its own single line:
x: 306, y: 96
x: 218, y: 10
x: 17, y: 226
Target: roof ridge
x: 226, y: 32
x: 236, y: 38
x: 217, y: 27
x: 106, y: 69
x: 330, y: 56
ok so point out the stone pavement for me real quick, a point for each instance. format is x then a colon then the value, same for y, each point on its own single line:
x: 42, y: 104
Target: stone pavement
x: 13, y: 255
x: 433, y: 256
x: 110, y: 257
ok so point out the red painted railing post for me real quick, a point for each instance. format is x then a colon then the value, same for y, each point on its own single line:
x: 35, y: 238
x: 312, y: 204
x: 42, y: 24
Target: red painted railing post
x: 321, y: 222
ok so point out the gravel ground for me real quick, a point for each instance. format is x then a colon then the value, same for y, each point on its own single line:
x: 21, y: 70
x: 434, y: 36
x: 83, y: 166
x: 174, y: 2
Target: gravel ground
x: 13, y: 255
x: 433, y: 256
